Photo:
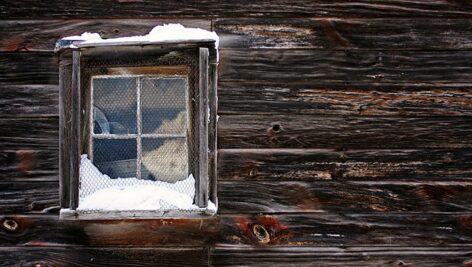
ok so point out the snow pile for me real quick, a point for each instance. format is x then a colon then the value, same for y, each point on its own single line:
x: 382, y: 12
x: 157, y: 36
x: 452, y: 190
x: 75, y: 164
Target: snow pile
x: 99, y: 192
x: 161, y: 33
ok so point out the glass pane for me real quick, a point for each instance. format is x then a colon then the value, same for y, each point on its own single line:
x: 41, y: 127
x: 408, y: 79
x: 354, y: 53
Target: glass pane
x: 115, y: 157
x: 114, y: 105
x: 164, y: 106
x: 164, y: 159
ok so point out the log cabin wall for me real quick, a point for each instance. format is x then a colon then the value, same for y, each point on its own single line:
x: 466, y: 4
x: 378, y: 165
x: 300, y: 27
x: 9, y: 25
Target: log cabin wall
x: 345, y: 136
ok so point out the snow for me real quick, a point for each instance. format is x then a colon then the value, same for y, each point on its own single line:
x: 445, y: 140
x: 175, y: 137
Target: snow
x: 99, y: 192
x: 160, y: 33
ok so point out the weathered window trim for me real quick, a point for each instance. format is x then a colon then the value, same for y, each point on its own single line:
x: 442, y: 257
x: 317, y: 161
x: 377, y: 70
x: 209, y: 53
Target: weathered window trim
x: 70, y: 129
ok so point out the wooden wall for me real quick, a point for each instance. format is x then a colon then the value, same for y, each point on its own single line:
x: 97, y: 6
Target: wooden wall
x: 345, y: 135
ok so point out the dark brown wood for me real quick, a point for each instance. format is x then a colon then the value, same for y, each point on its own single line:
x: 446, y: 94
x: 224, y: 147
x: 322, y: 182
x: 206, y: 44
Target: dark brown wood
x: 78, y: 256
x: 299, y: 8
x: 18, y: 37
x: 28, y: 69
x: 291, y: 66
x: 344, y: 33
x: 323, y: 33
x: 29, y: 100
x: 342, y: 256
x: 75, y: 133
x: 327, y: 164
x: 212, y: 132
x: 345, y: 196
x: 385, y: 100
x: 308, y: 229
x: 27, y: 133
x: 27, y: 197
x: 348, y: 67
x: 65, y: 126
x: 305, y: 131
x: 28, y: 165
x: 202, y: 184
x: 250, y: 197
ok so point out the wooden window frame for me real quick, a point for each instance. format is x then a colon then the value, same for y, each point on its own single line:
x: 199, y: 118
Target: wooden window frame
x: 71, y: 130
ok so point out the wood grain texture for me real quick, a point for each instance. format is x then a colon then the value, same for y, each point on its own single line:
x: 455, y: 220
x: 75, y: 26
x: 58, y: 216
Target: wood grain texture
x: 182, y: 232
x: 28, y: 100
x: 344, y: 33
x: 301, y: 66
x: 322, y: 33
x: 235, y: 197
x: 28, y: 68
x: 342, y: 256
x: 384, y: 100
x: 347, y: 67
x: 26, y: 197
x: 325, y: 164
x: 182, y: 9
x: 77, y: 256
x: 306, y: 131
x: 28, y: 165
x: 341, y: 197
x: 18, y: 36
x: 259, y: 230
x: 29, y: 133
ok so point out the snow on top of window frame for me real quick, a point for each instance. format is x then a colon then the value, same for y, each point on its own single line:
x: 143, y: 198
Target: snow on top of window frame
x: 167, y: 33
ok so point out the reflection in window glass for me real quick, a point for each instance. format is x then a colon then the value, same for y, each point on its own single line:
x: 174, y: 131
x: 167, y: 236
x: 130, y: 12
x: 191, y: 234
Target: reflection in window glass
x: 114, y: 105
x: 115, y: 157
x: 163, y: 105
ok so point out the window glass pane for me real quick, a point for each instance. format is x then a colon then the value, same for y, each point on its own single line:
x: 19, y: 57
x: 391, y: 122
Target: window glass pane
x: 115, y: 157
x: 114, y: 105
x: 164, y: 106
x: 164, y: 159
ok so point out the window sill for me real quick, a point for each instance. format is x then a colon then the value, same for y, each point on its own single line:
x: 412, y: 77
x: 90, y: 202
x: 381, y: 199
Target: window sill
x: 68, y: 214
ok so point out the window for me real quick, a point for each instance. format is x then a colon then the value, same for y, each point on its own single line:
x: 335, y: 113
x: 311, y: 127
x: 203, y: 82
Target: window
x: 137, y: 128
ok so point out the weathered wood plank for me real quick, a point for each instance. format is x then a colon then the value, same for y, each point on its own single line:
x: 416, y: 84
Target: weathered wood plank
x: 299, y: 66
x: 23, y: 197
x: 311, y: 229
x: 321, y: 33
x: 28, y: 100
x: 268, y: 197
x: 28, y: 165
x: 29, y: 230
x: 29, y: 133
x: 342, y: 256
x: 76, y: 256
x: 326, y: 164
x: 245, y: 98
x: 17, y: 35
x: 143, y: 9
x: 344, y: 33
x: 347, y: 67
x: 28, y: 68
x: 306, y: 131
x: 346, y: 196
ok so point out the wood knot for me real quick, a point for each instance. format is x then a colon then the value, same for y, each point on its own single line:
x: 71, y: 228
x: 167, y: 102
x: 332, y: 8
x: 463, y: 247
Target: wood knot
x: 10, y: 225
x: 261, y: 233
x: 276, y: 128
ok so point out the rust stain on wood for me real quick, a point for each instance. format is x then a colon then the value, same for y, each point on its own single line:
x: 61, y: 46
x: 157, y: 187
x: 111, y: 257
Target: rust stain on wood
x: 27, y: 161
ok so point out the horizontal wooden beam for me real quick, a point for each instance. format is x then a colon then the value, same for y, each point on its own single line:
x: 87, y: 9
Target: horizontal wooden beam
x: 318, y: 33
x: 307, y: 131
x: 344, y: 33
x: 79, y: 256
x: 350, y: 67
x: 236, y: 197
x: 326, y: 164
x: 241, y: 98
x: 18, y: 37
x: 256, y: 230
x: 299, y: 8
x: 341, y: 256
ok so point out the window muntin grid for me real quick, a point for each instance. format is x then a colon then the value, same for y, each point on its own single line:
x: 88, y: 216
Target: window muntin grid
x: 168, y: 159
